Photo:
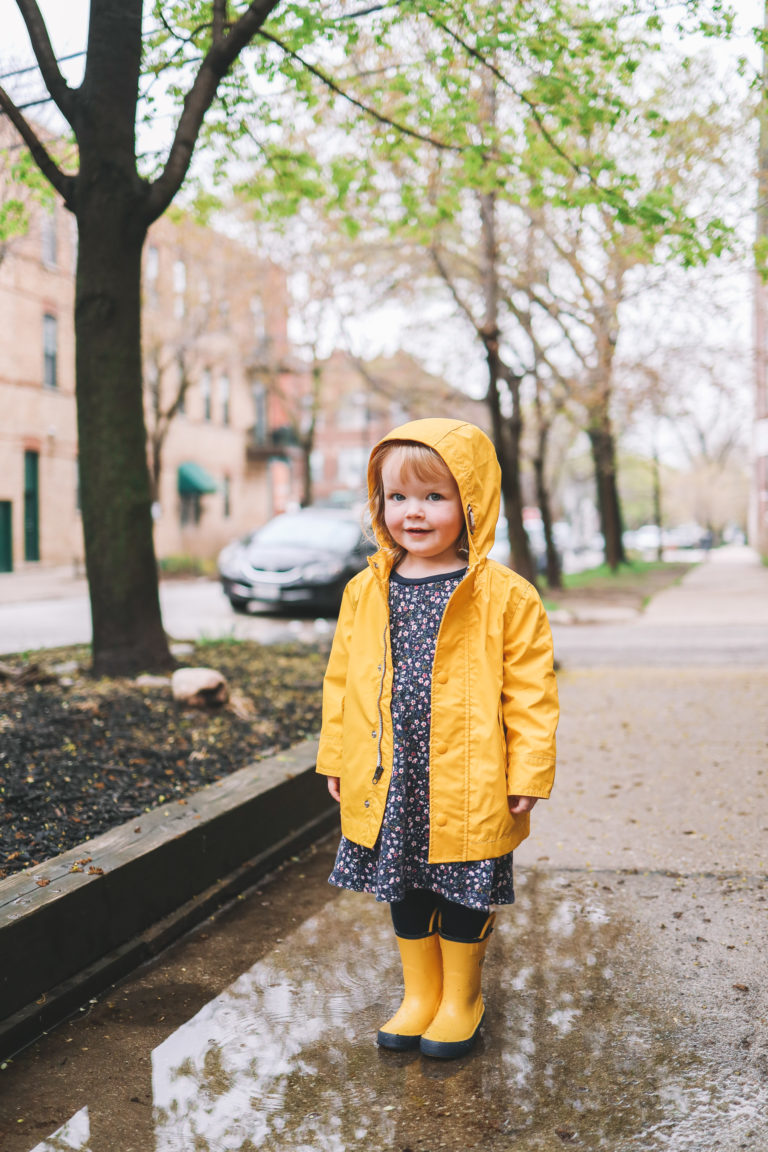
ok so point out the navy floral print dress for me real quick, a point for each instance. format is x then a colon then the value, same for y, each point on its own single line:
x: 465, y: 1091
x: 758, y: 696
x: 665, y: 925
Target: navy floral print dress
x: 399, y: 861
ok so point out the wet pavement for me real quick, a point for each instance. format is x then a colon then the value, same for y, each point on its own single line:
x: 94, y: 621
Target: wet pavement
x: 626, y: 991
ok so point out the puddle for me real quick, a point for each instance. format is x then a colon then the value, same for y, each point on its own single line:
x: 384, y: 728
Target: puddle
x: 574, y: 1053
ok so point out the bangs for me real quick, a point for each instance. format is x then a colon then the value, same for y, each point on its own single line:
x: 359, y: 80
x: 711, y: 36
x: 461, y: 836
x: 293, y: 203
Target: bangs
x: 420, y: 462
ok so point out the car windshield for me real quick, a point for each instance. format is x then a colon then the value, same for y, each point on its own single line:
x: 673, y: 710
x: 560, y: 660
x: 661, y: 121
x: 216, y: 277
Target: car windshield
x: 310, y: 532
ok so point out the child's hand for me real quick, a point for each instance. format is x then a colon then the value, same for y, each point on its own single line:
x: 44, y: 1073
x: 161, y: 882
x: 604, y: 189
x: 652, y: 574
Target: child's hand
x: 520, y: 804
x: 334, y: 787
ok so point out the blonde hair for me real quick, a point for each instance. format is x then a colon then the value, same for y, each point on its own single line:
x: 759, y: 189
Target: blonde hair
x: 417, y: 460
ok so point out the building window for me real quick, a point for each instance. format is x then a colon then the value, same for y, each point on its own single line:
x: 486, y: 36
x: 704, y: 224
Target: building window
x: 49, y: 237
x: 227, y: 492
x: 317, y: 465
x: 352, y: 416
x: 50, y: 345
x: 224, y: 394
x: 191, y: 509
x: 179, y: 289
x: 350, y: 465
x: 259, y: 394
x: 258, y: 319
x: 205, y: 388
x: 151, y: 274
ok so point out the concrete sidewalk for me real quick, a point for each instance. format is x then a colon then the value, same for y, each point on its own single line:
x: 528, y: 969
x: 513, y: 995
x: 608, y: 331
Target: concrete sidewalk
x: 626, y: 1001
x: 730, y: 587
x: 717, y: 614
x: 33, y: 582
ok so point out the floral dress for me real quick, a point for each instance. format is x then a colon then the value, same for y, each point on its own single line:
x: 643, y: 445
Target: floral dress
x: 399, y: 861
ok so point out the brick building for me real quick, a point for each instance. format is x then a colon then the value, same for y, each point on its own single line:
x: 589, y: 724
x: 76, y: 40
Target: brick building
x: 360, y: 403
x: 216, y: 358
x: 39, y: 519
x: 216, y: 349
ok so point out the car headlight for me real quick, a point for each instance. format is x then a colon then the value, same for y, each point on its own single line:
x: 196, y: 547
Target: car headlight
x: 229, y: 560
x: 322, y: 570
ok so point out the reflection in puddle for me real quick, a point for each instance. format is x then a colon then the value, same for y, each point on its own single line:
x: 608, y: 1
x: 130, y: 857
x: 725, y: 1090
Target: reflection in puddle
x: 74, y: 1136
x: 574, y: 1052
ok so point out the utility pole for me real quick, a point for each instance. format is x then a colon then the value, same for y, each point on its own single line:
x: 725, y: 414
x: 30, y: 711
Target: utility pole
x: 758, y: 527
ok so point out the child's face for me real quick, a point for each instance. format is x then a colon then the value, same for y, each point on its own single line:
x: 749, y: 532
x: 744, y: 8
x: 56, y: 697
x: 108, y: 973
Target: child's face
x: 425, y: 517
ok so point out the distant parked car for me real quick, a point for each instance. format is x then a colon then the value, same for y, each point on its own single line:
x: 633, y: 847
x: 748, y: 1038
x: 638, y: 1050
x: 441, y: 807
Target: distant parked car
x: 297, y: 560
x: 535, y: 532
x: 647, y: 538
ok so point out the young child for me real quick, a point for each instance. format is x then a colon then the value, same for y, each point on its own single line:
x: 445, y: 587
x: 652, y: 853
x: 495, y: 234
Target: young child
x: 439, y: 716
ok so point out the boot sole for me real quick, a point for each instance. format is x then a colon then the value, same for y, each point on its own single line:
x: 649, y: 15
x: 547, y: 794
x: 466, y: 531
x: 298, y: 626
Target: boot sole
x: 450, y: 1049
x: 396, y: 1043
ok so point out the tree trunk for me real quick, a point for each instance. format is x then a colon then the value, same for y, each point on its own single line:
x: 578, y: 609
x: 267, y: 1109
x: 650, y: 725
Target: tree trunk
x: 110, y: 206
x: 128, y: 633
x: 657, y: 512
x: 608, y: 503
x: 507, y: 432
x: 506, y: 438
x: 553, y: 569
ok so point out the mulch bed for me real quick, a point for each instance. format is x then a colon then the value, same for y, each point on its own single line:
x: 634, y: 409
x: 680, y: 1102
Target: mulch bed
x: 80, y: 755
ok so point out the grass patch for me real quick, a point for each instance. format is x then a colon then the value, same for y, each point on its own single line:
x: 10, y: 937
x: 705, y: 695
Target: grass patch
x: 605, y: 576
x: 631, y: 585
x: 183, y: 565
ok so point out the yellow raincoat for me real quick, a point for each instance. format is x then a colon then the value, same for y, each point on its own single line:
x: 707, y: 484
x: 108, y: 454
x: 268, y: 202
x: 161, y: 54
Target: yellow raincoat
x: 494, y: 695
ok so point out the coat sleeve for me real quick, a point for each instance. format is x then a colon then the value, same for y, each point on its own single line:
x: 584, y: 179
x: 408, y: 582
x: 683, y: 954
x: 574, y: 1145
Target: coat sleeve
x: 329, y: 754
x: 529, y: 700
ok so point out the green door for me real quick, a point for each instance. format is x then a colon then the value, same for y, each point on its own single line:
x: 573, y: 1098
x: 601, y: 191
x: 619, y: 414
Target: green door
x: 31, y: 505
x: 6, y: 546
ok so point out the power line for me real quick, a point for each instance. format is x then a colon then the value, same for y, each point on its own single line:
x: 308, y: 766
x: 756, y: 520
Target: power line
x: 35, y: 67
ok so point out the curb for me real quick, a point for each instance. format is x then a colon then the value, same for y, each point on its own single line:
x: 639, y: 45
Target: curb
x: 67, y: 933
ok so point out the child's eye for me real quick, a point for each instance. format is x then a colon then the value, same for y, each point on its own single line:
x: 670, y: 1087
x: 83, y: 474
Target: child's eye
x: 396, y: 496
x: 435, y: 496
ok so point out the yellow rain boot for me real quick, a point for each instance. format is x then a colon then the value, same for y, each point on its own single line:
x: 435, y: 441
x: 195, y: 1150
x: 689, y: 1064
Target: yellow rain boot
x: 460, y: 1015
x: 423, y: 979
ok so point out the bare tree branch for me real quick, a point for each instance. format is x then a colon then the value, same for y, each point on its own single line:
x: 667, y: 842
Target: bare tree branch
x: 219, y: 20
x: 369, y: 111
x: 476, y: 55
x: 445, y: 275
x: 368, y: 11
x: 63, y: 95
x: 64, y: 184
x: 198, y: 100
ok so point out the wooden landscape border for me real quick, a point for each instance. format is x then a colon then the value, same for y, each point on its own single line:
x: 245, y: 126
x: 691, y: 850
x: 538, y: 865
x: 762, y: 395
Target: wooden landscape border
x: 69, y: 930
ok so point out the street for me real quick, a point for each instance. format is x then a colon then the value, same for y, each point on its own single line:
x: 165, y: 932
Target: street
x: 626, y: 994
x: 192, y: 609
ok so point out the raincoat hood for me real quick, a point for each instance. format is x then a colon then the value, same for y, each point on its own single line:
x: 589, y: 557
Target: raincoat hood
x: 471, y: 459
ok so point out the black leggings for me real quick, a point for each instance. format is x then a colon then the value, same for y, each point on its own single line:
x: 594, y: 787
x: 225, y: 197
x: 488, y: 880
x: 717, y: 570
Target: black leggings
x: 411, y: 917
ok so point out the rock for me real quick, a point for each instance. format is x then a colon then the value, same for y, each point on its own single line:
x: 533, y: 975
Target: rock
x: 199, y: 687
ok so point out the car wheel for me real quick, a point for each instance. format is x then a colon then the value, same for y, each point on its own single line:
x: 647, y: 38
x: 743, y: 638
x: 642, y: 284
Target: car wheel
x: 239, y: 605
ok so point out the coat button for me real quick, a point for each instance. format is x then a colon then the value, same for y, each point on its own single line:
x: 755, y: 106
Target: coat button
x: 441, y: 821
x: 367, y: 804
x: 441, y: 748
x: 442, y: 677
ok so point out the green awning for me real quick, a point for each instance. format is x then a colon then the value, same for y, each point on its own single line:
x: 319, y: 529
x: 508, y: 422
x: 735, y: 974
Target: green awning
x: 193, y: 479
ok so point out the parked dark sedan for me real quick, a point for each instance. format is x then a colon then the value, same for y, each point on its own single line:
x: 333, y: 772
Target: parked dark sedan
x: 298, y: 560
